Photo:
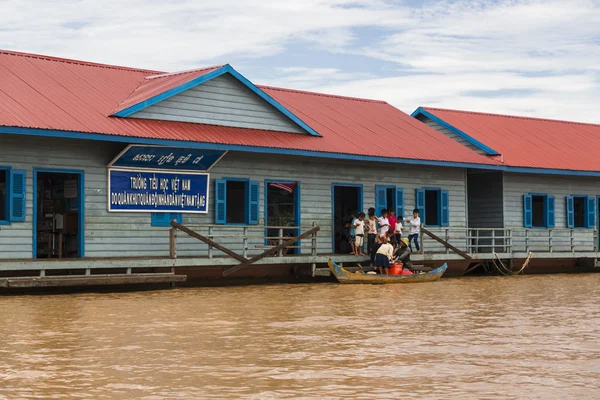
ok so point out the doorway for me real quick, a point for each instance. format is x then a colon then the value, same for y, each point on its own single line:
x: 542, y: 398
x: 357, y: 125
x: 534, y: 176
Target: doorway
x: 347, y: 199
x: 282, y: 209
x: 58, y: 214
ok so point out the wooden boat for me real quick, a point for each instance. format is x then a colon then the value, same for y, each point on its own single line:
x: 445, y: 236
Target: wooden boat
x: 344, y: 276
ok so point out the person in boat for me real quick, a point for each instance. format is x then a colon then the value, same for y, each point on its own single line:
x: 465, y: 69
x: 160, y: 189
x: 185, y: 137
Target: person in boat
x: 384, y: 255
x: 402, y: 254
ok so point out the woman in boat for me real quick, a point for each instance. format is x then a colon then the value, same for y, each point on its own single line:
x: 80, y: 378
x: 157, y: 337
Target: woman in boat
x: 402, y: 254
x: 384, y: 255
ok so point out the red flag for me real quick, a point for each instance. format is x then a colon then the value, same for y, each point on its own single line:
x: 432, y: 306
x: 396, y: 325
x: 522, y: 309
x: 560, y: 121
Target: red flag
x: 288, y: 187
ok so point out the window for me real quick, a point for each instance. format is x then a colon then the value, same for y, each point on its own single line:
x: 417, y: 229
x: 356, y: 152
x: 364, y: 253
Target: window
x: 538, y: 211
x: 12, y: 195
x: 236, y: 201
x: 581, y: 211
x: 433, y: 206
x: 387, y: 197
x: 164, y: 219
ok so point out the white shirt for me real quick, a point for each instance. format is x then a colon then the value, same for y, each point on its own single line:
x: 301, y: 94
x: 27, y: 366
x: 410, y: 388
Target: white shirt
x: 386, y: 222
x: 398, y: 227
x: 359, y: 227
x: 415, y: 225
x: 387, y: 250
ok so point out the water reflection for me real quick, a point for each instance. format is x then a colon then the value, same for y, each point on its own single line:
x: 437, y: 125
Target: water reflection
x: 469, y: 338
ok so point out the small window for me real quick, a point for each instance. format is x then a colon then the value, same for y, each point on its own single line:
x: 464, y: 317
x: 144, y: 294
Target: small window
x: 579, y: 211
x: 390, y: 195
x: 236, y: 202
x: 432, y: 205
x: 538, y: 211
x: 164, y: 219
x: 4, y: 195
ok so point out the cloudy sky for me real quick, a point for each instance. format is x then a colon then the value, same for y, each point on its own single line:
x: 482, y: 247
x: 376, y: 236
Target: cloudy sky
x: 531, y: 57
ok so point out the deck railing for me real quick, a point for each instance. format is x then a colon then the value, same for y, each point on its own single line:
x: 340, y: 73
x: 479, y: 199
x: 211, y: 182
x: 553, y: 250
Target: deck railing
x: 246, y: 241
x: 512, y: 240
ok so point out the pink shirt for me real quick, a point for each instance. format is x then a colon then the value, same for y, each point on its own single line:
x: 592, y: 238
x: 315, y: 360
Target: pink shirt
x: 392, y: 220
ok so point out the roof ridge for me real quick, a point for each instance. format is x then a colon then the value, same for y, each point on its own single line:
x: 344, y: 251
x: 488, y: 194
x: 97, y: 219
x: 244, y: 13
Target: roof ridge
x: 512, y: 116
x: 175, y: 73
x: 73, y: 61
x: 322, y: 94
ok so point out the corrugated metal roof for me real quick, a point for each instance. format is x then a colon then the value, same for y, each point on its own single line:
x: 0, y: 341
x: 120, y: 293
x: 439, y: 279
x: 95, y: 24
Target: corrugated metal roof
x: 530, y: 142
x: 50, y: 93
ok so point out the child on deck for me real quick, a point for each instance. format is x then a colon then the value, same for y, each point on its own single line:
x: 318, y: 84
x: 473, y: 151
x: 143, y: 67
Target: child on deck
x: 398, y: 229
x: 415, y: 229
x: 352, y: 233
x: 372, y: 230
x: 359, y: 232
x: 392, y: 219
x: 384, y: 223
x: 384, y: 255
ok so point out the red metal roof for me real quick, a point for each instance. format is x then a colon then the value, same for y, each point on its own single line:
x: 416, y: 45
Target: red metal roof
x: 50, y: 93
x: 530, y: 142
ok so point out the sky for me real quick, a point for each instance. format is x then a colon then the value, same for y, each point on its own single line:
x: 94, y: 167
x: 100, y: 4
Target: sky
x: 538, y: 58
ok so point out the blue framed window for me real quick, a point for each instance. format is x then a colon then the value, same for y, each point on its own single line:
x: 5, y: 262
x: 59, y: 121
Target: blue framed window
x: 538, y: 210
x: 434, y: 206
x: 236, y: 201
x: 12, y: 195
x: 581, y: 211
x: 164, y: 219
x: 387, y: 197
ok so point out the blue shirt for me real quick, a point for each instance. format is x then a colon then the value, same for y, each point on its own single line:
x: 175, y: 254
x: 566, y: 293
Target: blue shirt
x: 352, y: 233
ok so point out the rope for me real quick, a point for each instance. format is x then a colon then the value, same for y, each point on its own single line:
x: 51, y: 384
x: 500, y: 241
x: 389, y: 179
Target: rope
x: 504, y: 270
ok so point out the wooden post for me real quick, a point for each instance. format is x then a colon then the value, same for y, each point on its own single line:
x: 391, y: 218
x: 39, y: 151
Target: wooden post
x: 245, y: 244
x: 446, y: 239
x: 313, y: 250
x: 509, y: 247
x: 446, y: 244
x: 493, y: 240
x: 88, y: 271
x: 271, y: 251
x: 550, y: 241
x: 526, y: 240
x: 172, y: 243
x: 210, y: 249
x: 280, y: 234
x: 209, y: 242
x: 421, y: 240
x: 572, y: 241
x: 477, y: 242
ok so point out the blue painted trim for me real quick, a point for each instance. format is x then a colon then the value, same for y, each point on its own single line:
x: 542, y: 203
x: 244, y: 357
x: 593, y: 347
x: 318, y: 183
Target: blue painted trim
x: 292, y: 152
x: 297, y: 208
x: 360, y: 205
x: 81, y: 206
x: 8, y: 204
x: 598, y: 216
x: 206, y: 77
x: 585, y: 210
x: 246, y: 182
x: 545, y: 196
x: 488, y: 150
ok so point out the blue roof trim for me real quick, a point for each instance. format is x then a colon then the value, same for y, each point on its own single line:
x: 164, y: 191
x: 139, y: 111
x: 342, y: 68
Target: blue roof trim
x: 226, y: 69
x: 488, y: 150
x: 273, y: 150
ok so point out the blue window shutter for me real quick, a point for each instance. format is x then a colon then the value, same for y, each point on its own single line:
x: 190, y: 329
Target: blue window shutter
x: 550, y: 219
x: 399, y: 203
x: 420, y: 204
x: 380, y: 199
x: 591, y: 212
x: 445, y: 208
x: 175, y: 216
x: 220, y: 201
x: 17, y: 195
x: 254, y: 199
x: 570, y: 212
x: 527, y: 211
x: 159, y: 219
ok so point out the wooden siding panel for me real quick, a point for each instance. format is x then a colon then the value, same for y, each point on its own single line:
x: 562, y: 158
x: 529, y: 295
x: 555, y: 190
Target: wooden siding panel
x: 130, y: 234
x: 485, y: 200
x: 221, y: 101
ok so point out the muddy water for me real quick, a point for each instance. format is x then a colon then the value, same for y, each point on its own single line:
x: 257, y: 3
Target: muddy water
x: 524, y: 337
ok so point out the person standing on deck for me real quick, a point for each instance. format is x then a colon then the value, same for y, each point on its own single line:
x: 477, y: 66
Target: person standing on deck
x: 415, y: 230
x: 372, y: 230
x: 392, y: 219
x: 384, y: 223
x: 359, y: 232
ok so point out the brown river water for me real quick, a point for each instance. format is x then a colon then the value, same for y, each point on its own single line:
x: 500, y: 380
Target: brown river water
x: 524, y: 337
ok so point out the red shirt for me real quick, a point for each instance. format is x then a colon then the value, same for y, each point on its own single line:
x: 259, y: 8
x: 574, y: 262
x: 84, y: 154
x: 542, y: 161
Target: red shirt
x: 392, y: 219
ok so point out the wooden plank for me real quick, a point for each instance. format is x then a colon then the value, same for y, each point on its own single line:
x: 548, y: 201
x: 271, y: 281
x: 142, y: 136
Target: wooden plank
x: 446, y: 244
x: 209, y: 242
x: 102, y: 280
x: 272, y: 251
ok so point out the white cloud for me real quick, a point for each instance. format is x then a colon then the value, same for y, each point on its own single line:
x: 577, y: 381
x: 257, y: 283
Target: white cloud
x: 534, y: 57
